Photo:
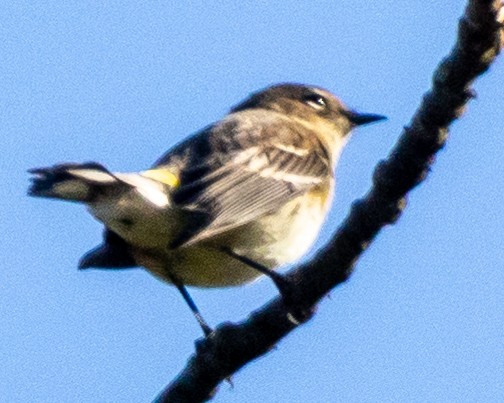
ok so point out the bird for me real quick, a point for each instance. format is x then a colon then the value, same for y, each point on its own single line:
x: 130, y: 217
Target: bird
x: 234, y: 201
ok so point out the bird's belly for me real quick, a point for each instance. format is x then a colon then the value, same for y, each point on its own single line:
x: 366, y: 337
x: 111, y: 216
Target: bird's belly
x: 272, y: 241
x: 284, y: 237
x: 197, y: 266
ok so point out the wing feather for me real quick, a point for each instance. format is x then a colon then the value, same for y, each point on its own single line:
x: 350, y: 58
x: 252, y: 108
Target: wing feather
x: 243, y: 168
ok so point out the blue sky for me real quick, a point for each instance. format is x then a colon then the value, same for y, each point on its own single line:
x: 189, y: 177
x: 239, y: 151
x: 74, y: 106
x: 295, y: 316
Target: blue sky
x: 119, y: 82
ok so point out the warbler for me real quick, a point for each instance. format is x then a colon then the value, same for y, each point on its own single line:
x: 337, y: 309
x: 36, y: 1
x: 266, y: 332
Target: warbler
x: 238, y: 199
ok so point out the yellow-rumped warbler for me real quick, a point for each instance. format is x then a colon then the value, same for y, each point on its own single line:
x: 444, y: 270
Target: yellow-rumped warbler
x: 241, y: 197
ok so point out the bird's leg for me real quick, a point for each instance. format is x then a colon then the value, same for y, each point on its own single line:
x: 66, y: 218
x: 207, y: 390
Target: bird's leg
x: 207, y: 330
x: 194, y: 309
x: 282, y: 283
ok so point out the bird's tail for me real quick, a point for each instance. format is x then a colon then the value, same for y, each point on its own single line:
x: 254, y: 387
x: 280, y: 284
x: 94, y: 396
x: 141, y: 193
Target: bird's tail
x: 75, y: 182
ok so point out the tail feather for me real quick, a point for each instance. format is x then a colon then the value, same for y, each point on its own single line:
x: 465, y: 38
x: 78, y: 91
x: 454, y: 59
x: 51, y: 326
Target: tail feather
x: 77, y: 182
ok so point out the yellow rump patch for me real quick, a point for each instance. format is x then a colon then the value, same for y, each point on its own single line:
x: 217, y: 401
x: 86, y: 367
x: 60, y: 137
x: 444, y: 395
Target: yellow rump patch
x: 162, y: 175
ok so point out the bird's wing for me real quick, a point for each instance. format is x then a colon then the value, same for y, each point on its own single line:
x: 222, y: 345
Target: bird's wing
x: 239, y: 170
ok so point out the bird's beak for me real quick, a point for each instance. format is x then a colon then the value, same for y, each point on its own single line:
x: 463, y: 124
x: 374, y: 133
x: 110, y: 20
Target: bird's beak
x: 359, y: 119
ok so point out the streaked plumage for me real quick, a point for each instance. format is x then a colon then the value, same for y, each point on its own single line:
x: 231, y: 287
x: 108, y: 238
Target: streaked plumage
x: 259, y: 182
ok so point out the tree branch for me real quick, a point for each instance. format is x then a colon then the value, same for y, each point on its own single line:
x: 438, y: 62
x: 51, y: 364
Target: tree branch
x: 232, y: 346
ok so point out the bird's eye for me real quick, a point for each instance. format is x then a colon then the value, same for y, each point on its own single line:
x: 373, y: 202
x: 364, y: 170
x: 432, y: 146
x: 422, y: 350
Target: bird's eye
x: 316, y: 101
